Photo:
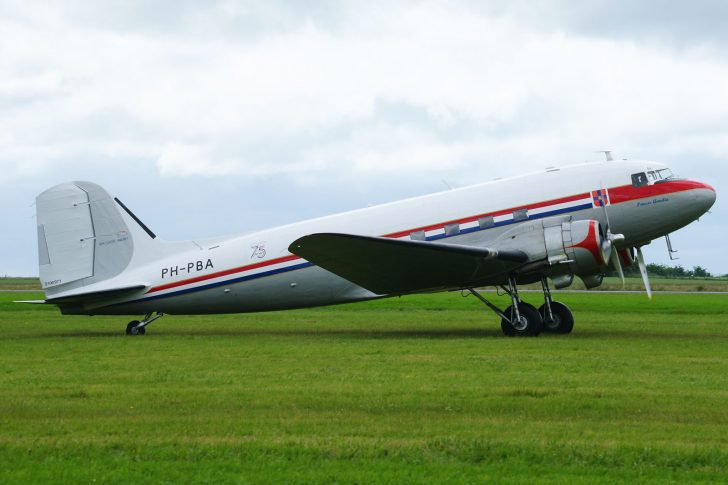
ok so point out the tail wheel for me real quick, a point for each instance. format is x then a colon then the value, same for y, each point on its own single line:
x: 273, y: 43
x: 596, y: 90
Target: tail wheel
x: 529, y: 324
x: 132, y: 329
x: 562, y: 321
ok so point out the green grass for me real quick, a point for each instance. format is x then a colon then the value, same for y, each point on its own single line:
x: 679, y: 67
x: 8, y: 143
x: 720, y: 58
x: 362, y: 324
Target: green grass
x: 15, y: 283
x: 421, y: 389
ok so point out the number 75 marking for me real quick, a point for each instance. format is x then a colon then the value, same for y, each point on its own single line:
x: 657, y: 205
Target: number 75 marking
x: 258, y: 251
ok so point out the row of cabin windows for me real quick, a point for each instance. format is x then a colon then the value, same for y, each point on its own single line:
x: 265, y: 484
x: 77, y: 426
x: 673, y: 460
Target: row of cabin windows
x: 484, y: 223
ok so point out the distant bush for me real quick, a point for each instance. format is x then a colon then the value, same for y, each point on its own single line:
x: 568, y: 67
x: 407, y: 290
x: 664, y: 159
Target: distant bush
x: 668, y: 271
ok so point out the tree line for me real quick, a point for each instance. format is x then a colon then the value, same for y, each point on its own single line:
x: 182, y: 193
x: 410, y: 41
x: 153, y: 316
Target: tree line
x: 668, y: 271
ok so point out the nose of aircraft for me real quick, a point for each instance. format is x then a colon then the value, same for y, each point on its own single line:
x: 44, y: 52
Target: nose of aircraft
x: 704, y: 197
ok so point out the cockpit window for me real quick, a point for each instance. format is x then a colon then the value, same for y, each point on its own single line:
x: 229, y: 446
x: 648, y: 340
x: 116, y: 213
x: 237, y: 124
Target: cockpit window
x: 665, y: 174
x: 639, y: 179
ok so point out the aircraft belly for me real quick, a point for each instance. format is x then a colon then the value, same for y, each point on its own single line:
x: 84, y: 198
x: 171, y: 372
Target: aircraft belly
x: 302, y: 288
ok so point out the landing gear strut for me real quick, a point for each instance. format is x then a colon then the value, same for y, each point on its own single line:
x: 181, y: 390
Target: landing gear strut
x: 135, y: 327
x: 557, y: 317
x: 520, y: 319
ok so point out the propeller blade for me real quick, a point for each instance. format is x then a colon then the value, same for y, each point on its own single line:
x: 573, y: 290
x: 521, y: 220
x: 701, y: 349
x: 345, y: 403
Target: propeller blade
x: 617, y: 264
x: 606, y: 213
x: 606, y: 218
x: 643, y: 272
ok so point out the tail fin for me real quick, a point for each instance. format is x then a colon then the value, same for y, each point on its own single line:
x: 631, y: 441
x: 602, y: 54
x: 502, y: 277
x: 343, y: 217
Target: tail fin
x: 85, y: 236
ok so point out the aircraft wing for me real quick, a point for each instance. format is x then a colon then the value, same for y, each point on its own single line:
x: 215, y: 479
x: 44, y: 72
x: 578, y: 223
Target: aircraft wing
x: 392, y: 266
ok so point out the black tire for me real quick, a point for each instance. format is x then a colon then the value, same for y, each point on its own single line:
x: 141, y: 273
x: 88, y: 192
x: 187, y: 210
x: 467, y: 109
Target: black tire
x: 530, y: 324
x: 132, y: 330
x: 563, y: 321
x: 506, y: 326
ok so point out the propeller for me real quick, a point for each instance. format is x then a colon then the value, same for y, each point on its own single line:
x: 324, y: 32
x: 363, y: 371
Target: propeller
x: 608, y: 249
x: 618, y: 264
x: 643, y: 272
x: 610, y: 252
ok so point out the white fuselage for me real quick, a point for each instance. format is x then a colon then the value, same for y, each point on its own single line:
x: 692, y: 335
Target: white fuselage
x: 256, y: 272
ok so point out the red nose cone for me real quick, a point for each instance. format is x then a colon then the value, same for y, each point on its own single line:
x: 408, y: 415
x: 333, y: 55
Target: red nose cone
x: 701, y: 185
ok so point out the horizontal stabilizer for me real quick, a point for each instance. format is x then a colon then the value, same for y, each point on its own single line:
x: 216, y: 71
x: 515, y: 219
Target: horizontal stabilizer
x: 392, y: 266
x: 95, y: 295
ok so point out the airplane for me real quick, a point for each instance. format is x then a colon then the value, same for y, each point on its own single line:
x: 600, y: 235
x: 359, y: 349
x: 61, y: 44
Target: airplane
x: 96, y: 257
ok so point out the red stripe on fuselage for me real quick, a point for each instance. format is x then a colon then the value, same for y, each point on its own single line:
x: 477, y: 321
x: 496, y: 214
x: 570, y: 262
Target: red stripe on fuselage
x: 617, y: 195
x: 538, y: 205
x: 226, y: 272
x: 628, y: 193
x: 293, y: 257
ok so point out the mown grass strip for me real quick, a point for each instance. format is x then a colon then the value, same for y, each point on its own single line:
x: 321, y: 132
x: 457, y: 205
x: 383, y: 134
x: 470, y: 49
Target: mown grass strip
x: 420, y: 389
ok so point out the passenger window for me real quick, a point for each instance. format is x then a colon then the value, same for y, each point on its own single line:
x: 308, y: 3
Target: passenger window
x: 520, y: 215
x: 639, y: 179
x: 486, y: 222
x: 452, y: 229
x: 418, y: 236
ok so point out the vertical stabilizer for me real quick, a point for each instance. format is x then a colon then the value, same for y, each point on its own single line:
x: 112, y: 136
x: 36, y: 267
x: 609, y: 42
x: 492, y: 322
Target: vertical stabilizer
x: 65, y: 235
x: 82, y: 237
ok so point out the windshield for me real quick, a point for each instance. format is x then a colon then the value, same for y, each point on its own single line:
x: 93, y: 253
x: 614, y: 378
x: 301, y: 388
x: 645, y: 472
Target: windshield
x: 665, y: 174
x: 652, y: 177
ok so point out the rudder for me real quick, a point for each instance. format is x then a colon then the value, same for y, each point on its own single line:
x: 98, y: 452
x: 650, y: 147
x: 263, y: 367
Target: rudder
x: 82, y: 237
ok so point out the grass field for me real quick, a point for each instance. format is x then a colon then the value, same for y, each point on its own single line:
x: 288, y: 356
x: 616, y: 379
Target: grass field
x: 414, y: 390
x: 12, y: 283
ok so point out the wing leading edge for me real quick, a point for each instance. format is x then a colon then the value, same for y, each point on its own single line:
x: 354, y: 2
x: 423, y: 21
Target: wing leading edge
x: 392, y: 266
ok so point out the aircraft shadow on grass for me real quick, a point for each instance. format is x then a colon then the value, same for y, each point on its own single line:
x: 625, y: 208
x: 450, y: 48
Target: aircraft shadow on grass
x: 394, y: 334
x: 449, y: 333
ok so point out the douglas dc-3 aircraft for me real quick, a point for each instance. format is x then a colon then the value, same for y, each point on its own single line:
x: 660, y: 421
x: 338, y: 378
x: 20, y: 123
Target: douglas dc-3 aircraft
x: 96, y: 257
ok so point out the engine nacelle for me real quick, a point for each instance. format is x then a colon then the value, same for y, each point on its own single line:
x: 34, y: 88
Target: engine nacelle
x: 559, y: 246
x: 562, y: 281
x: 585, y: 246
x: 592, y: 281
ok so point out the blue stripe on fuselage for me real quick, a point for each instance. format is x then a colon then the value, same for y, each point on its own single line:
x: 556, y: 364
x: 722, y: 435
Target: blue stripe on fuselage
x: 307, y: 264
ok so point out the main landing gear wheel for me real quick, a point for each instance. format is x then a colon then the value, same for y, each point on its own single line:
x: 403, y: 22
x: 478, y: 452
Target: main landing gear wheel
x: 133, y: 329
x: 528, y: 324
x: 562, y: 321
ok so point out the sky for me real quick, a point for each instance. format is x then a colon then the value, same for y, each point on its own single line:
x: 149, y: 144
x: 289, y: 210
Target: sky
x: 219, y: 117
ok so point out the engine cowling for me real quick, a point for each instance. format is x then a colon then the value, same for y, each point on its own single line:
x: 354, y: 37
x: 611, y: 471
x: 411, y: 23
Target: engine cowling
x: 585, y: 246
x: 560, y: 248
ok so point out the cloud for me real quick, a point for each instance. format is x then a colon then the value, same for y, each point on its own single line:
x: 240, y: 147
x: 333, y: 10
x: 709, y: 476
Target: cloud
x: 429, y: 85
x: 184, y: 159
x: 333, y: 95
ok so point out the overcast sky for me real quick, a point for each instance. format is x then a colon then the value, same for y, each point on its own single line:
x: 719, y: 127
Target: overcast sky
x: 211, y: 118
